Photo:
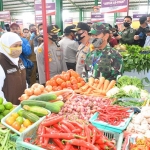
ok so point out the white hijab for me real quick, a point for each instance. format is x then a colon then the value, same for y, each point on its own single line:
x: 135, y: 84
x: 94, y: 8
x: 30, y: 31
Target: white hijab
x: 8, y: 39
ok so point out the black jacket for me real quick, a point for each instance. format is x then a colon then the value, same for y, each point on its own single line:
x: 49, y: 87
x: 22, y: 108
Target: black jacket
x: 141, y: 41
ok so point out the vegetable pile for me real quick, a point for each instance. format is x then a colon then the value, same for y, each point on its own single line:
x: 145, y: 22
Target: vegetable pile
x: 69, y: 79
x: 95, y: 87
x: 133, y: 60
x: 113, y: 115
x: 5, y: 142
x: 57, y: 133
x: 83, y: 107
x: 140, y: 123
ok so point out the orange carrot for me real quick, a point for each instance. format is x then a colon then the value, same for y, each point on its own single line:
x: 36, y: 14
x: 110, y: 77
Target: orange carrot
x: 61, y: 92
x: 102, y: 86
x: 111, y: 85
x: 95, y: 85
x: 101, y: 82
x: 85, y: 87
x: 106, y: 83
x: 88, y: 91
x: 96, y: 81
x: 91, y: 81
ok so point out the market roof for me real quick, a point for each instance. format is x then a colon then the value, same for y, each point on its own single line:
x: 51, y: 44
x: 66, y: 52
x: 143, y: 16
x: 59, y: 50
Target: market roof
x: 21, y: 6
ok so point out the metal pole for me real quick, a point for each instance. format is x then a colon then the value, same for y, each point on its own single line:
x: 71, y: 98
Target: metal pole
x: 58, y: 16
x: 128, y: 9
x: 1, y: 9
x: 47, y: 74
x: 80, y: 14
x: 115, y: 16
x: 96, y: 2
x: 49, y: 20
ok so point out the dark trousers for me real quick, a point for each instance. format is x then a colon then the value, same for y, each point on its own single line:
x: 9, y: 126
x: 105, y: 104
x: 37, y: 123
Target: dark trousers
x: 28, y: 75
x: 71, y: 66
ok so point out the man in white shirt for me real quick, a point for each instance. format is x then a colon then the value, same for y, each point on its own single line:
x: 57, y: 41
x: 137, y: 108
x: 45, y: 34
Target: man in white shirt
x: 69, y: 47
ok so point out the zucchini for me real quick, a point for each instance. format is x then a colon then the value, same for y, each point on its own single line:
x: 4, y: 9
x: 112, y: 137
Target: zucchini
x: 39, y: 111
x: 44, y: 97
x: 33, y: 103
x: 54, y: 108
x: 30, y: 116
x: 59, y: 103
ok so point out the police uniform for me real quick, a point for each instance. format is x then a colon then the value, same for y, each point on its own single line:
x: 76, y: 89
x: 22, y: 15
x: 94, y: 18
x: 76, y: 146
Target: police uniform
x: 56, y: 61
x: 127, y: 36
x: 80, y: 57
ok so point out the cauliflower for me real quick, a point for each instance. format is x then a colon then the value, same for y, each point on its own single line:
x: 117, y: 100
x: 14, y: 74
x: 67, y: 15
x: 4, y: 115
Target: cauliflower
x: 112, y: 92
x: 129, y: 88
x: 144, y: 95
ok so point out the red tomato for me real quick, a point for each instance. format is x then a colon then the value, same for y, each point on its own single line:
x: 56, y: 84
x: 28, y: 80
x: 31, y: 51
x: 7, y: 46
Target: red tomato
x: 74, y: 81
x: 53, y: 83
x: 75, y: 86
x: 68, y: 84
x: 54, y: 88
x: 72, y: 78
x: 59, y: 88
x: 66, y: 77
x: 59, y: 81
x: 79, y: 79
x: 82, y: 83
x: 79, y: 85
x: 74, y: 74
x: 63, y: 85
x: 63, y: 72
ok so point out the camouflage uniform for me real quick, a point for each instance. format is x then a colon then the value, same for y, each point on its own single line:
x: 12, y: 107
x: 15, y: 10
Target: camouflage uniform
x: 107, y: 62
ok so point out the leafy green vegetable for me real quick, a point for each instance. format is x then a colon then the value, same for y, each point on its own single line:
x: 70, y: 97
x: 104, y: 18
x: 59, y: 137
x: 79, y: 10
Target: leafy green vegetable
x: 126, y: 80
x: 133, y: 60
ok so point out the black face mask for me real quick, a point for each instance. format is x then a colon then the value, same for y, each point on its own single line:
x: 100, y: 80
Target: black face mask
x: 78, y: 36
x: 126, y: 24
x: 54, y: 38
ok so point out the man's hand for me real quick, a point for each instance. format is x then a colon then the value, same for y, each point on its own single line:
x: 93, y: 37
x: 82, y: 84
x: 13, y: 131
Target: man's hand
x: 136, y: 37
x: 118, y: 37
x: 32, y: 36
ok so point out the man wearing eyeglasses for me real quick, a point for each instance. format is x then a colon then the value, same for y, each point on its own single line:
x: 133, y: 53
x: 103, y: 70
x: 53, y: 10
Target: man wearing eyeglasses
x: 56, y: 59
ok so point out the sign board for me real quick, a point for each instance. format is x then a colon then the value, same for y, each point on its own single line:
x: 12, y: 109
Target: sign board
x: 19, y: 21
x: 137, y: 16
x: 4, y: 15
x: 68, y: 21
x: 112, y: 6
x: 97, y: 17
x: 119, y: 20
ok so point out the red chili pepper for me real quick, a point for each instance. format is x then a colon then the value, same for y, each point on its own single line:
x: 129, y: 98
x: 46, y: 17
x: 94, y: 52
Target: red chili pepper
x: 67, y: 136
x: 68, y: 147
x: 39, y: 129
x: 43, y: 131
x: 27, y: 140
x: 65, y: 129
x: 77, y: 131
x: 68, y: 124
x: 57, y: 127
x: 87, y: 133
x: 51, y: 122
x: 94, y: 131
x: 76, y: 124
x: 59, y: 143
x: 52, y: 147
x: 82, y: 143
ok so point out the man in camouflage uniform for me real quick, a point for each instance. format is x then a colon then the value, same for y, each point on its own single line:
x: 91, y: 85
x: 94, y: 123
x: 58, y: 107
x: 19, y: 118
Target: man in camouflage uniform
x: 127, y: 35
x: 102, y: 60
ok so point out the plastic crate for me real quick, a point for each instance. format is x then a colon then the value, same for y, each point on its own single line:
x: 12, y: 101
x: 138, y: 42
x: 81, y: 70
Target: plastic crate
x: 21, y: 145
x: 105, y: 126
x: 117, y: 136
x: 11, y: 128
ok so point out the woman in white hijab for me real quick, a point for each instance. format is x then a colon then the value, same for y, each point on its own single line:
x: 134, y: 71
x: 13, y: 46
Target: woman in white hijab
x: 12, y: 71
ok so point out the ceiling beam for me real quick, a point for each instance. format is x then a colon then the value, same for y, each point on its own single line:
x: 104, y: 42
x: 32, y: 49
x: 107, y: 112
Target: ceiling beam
x: 73, y: 4
x: 66, y: 2
x: 24, y: 2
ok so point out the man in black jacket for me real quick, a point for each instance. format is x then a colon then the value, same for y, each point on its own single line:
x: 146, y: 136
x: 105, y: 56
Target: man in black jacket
x: 140, y: 35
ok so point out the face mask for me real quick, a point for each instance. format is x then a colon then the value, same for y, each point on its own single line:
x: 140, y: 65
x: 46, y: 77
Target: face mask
x: 33, y: 31
x: 41, y: 32
x: 54, y: 38
x: 15, y: 51
x: 96, y: 42
x: 126, y: 24
x: 78, y: 36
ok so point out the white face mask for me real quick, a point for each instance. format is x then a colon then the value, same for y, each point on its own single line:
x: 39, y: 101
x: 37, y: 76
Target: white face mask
x: 41, y: 32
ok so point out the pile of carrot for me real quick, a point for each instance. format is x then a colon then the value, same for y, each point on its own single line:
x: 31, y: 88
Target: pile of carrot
x: 96, y: 87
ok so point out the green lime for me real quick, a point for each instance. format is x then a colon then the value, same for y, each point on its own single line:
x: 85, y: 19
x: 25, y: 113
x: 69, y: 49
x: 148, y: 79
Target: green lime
x: 1, y: 116
x: 8, y: 105
x: 2, y: 108
x: 1, y: 100
x: 19, y: 119
x: 20, y: 112
x: 5, y: 112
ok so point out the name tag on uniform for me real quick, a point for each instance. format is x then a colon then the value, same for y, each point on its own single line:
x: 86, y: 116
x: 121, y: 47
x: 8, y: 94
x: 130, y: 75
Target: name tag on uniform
x: 21, y: 66
x: 11, y: 70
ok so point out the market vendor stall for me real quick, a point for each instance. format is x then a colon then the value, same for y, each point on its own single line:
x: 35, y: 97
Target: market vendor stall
x: 69, y: 114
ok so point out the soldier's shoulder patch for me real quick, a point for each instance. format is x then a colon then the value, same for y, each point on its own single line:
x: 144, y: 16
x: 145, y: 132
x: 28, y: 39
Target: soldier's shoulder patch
x: 131, y: 30
x: 39, y: 50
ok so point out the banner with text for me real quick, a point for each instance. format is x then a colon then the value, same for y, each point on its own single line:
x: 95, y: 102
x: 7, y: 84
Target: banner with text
x: 5, y: 16
x: 137, y: 16
x: 97, y: 17
x: 68, y: 21
x: 112, y: 6
x: 119, y: 20
x: 19, y: 21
